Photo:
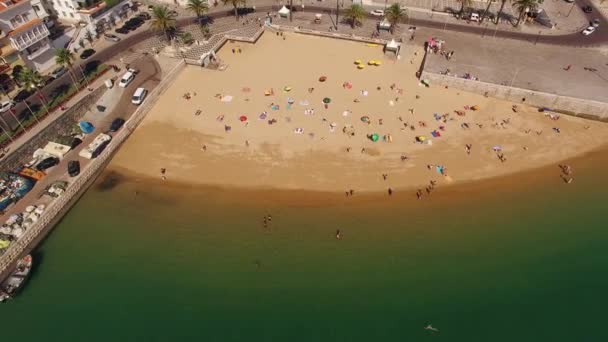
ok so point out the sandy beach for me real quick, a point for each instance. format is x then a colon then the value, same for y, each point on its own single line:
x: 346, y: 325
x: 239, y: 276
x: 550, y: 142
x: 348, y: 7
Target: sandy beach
x: 229, y: 133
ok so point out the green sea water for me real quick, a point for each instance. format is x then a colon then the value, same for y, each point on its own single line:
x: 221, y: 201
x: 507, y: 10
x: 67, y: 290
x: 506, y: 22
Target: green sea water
x: 506, y: 264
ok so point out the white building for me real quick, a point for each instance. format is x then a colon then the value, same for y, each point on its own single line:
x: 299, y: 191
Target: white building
x: 27, y: 33
x: 96, y: 15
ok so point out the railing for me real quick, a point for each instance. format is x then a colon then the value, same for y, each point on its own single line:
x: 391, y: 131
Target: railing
x: 42, y: 226
x: 328, y: 34
x: 27, y: 41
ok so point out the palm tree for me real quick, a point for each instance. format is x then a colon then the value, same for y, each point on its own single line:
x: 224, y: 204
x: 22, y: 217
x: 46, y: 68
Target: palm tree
x: 485, y: 13
x: 163, y: 20
x: 235, y: 4
x: 465, y: 4
x: 32, y: 80
x: 198, y: 7
x: 395, y: 14
x: 65, y: 58
x: 502, y: 6
x: 354, y: 15
x: 524, y: 6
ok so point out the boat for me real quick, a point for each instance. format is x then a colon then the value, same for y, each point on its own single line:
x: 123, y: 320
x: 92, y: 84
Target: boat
x: 16, y: 279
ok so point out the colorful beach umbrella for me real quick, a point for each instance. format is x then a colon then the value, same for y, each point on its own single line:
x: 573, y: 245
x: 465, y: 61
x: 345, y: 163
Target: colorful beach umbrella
x: 326, y: 100
x: 374, y: 137
x: 243, y: 118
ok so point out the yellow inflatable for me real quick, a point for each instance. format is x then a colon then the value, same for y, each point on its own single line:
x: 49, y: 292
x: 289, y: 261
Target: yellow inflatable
x: 360, y: 66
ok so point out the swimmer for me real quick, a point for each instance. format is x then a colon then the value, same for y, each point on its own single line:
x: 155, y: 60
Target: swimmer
x: 338, y: 234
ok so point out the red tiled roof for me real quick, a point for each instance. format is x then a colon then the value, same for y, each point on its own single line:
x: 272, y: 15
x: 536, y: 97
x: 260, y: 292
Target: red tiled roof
x: 4, y: 6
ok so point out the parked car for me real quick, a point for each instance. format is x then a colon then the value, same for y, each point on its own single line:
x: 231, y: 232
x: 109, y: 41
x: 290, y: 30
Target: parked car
x: 58, y: 72
x: 47, y: 163
x: 144, y: 16
x: 589, y: 30
x: 587, y: 9
x: 23, y: 95
x: 121, y: 30
x: 139, y: 96
x: 126, y: 79
x: 116, y: 124
x: 87, y: 53
x: 595, y: 23
x: 377, y: 13
x: 111, y: 37
x: 73, y: 168
x: 6, y: 105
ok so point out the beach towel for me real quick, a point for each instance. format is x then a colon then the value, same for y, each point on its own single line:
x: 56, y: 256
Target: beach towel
x: 263, y: 116
x: 364, y: 92
x: 275, y: 107
x: 227, y: 98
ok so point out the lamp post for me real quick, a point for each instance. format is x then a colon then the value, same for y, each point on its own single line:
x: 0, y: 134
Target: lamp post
x: 337, y: 12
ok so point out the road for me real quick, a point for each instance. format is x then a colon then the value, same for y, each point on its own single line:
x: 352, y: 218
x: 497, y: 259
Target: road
x: 569, y: 40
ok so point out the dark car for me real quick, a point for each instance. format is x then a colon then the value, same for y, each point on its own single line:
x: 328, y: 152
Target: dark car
x: 23, y: 95
x: 587, y: 9
x: 47, y: 163
x: 111, y: 37
x: 73, y: 168
x: 121, y: 30
x: 116, y: 124
x: 144, y: 16
x: 87, y: 53
x: 75, y: 142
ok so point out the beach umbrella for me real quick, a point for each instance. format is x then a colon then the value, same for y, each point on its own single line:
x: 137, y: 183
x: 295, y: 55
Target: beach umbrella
x: 420, y: 138
x: 371, y: 62
x: 322, y: 78
x: 374, y: 137
x: 365, y: 119
x: 287, y: 88
x: 243, y: 118
x: 326, y: 100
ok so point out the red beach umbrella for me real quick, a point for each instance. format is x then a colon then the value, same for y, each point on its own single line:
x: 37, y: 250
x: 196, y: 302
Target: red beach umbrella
x: 243, y: 118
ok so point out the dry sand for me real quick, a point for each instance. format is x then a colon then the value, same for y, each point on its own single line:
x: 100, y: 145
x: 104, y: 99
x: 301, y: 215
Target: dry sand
x: 255, y: 154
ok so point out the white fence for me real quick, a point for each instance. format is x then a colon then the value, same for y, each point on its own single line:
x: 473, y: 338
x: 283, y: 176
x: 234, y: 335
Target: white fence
x: 42, y: 226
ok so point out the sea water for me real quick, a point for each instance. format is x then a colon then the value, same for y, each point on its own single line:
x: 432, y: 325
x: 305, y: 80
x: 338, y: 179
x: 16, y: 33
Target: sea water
x: 143, y: 261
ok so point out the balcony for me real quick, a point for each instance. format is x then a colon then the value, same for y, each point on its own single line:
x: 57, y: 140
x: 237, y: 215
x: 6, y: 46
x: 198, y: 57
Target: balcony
x: 28, y: 34
x: 44, y: 47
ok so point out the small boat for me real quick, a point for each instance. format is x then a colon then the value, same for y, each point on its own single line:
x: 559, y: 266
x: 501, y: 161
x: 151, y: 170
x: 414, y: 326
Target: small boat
x: 16, y: 279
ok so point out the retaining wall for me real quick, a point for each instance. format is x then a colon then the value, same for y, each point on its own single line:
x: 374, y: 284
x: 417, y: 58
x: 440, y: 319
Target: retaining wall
x: 589, y: 109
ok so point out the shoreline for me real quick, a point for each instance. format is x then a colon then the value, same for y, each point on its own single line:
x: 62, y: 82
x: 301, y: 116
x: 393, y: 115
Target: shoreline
x: 523, y: 180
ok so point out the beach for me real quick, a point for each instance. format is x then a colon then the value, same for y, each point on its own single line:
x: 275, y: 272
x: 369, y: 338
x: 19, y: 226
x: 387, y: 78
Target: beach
x: 219, y: 128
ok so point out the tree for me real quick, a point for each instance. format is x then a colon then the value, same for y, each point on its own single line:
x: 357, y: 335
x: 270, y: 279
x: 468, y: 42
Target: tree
x: 485, y: 13
x: 17, y: 69
x: 502, y: 6
x: 523, y: 6
x: 32, y: 80
x: 235, y: 4
x: 65, y: 58
x: 198, y: 7
x: 465, y: 4
x: 88, y: 36
x: 395, y: 14
x: 163, y: 20
x: 354, y: 15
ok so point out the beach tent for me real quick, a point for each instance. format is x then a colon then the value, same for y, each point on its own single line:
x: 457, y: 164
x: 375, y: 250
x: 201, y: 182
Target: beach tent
x: 284, y: 12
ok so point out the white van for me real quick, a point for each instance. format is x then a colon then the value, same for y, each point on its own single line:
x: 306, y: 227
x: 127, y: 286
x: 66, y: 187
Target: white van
x: 138, y: 96
x: 126, y: 79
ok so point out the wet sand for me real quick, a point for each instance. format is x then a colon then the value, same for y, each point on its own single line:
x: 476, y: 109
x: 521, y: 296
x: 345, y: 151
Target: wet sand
x: 253, y: 154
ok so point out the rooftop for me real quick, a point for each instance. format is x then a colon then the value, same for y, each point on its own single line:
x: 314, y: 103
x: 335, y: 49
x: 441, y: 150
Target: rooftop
x: 6, y: 4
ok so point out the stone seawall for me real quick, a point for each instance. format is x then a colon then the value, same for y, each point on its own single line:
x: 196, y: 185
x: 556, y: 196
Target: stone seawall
x: 563, y: 104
